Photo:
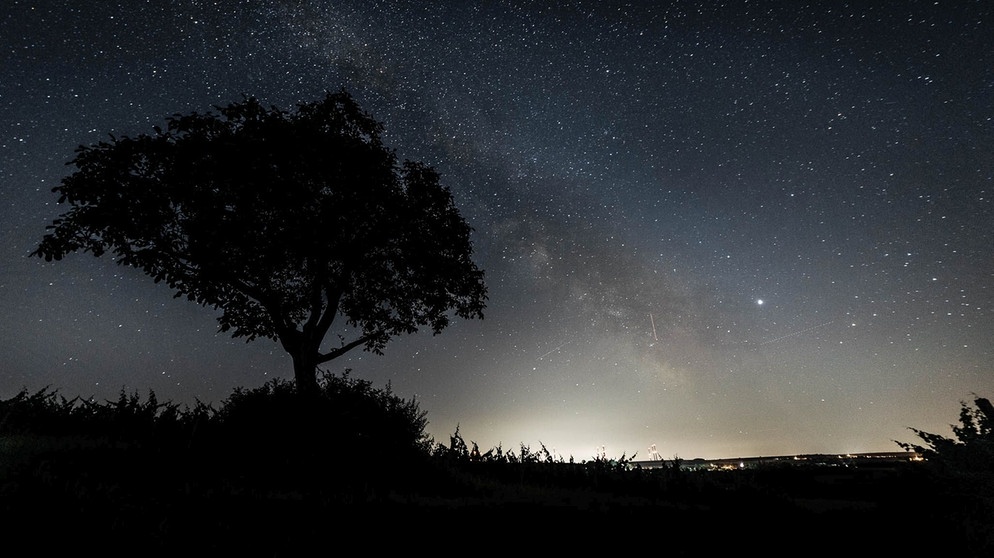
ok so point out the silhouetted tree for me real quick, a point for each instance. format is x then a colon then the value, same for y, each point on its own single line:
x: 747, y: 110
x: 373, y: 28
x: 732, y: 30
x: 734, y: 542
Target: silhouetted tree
x: 284, y: 221
x: 960, y: 488
x: 973, y: 448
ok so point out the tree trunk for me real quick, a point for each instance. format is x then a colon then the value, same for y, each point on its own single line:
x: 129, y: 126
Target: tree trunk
x: 305, y: 373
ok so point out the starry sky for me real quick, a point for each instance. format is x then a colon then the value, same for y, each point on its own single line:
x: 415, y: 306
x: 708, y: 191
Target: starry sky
x: 717, y: 228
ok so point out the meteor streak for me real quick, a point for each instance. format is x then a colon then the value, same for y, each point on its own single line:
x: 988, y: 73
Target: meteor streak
x: 796, y: 333
x: 553, y: 350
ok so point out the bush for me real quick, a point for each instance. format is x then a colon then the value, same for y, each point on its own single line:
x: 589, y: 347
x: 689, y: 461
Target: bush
x: 972, y: 452
x: 347, y: 416
x: 347, y: 433
x: 959, y: 486
x: 127, y: 420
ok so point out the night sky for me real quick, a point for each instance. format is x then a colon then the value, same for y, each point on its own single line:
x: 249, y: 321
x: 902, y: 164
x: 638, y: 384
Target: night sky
x: 739, y: 229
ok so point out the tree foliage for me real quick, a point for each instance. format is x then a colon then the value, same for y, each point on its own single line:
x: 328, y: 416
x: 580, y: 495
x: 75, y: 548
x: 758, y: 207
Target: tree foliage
x: 957, y: 490
x: 972, y: 450
x: 284, y: 221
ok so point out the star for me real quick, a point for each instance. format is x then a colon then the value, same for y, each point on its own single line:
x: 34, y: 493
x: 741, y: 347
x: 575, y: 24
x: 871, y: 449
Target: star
x: 626, y: 173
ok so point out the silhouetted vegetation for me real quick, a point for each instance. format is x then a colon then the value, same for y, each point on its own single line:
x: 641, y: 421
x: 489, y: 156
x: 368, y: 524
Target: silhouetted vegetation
x: 971, y: 452
x: 267, y: 472
x: 956, y: 485
x: 286, y: 222
x: 139, y: 469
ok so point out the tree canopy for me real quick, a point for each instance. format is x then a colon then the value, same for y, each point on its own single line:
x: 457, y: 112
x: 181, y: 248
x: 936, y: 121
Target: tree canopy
x: 971, y: 451
x: 285, y: 221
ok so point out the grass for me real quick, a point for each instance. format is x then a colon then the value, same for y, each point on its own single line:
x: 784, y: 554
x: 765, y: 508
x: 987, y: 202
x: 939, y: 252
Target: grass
x: 265, y: 473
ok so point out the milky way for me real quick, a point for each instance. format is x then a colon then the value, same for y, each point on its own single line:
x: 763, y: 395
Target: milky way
x: 639, y: 177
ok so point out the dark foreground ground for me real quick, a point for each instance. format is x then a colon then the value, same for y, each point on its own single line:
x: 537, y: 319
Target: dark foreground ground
x: 350, y: 472
x: 124, y: 499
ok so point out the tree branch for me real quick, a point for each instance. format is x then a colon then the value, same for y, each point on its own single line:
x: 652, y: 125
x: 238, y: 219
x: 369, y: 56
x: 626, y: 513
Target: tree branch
x: 334, y: 297
x: 331, y: 355
x: 316, y: 306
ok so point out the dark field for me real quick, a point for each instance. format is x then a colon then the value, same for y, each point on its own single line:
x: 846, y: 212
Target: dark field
x: 268, y: 475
